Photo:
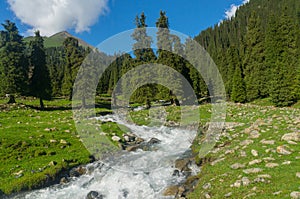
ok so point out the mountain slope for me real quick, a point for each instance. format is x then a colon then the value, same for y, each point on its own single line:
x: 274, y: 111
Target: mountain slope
x: 263, y: 42
x: 57, y: 40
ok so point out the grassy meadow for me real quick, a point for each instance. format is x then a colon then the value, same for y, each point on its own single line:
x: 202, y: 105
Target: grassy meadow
x: 37, y: 145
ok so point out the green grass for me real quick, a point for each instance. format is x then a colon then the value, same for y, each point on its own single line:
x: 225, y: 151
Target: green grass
x: 184, y: 115
x: 25, y: 134
x: 273, y: 124
x: 30, y: 139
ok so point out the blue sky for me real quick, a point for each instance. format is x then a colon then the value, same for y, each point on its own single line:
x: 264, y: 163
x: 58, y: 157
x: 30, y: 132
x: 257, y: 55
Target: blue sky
x: 96, y: 20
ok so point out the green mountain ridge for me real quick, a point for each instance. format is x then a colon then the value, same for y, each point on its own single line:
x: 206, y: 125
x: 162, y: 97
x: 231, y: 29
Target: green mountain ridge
x: 57, y: 40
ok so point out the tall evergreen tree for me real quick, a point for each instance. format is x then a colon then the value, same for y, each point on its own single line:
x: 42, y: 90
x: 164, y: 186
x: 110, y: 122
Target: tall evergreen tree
x: 283, y: 90
x: 73, y: 60
x: 167, y: 58
x: 40, y: 85
x: 143, y: 55
x: 238, y: 93
x: 55, y: 63
x: 142, y: 47
x: 13, y: 63
x: 255, y: 71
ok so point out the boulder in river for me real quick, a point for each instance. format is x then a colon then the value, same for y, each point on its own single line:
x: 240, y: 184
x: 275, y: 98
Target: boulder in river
x: 94, y: 195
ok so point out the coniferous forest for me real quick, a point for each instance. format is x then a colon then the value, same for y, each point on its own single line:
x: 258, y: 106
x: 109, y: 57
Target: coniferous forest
x: 257, y: 53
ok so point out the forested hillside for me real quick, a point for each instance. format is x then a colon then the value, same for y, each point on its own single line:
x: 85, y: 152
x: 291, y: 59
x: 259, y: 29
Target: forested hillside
x: 257, y: 51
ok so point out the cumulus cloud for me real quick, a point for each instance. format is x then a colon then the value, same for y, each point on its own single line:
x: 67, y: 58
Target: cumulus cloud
x: 52, y: 16
x: 233, y: 8
x: 231, y: 12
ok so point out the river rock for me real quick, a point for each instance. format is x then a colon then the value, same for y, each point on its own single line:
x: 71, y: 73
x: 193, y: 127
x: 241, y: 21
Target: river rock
x: 253, y: 170
x: 268, y: 159
x: 154, y: 141
x: 254, y: 134
x: 171, y: 191
x: 272, y: 165
x: 257, y: 161
x: 291, y: 137
x: 19, y: 174
x: 245, y: 181
x: 246, y: 142
x: 76, y: 172
x: 295, y: 195
x: 183, y: 164
x: 254, y: 153
x: 116, y: 138
x: 206, y: 186
x: 286, y: 162
x: 139, y: 140
x: 217, y: 161
x: 63, y: 180
x: 298, y: 174
x: 176, y: 172
x: 282, y: 150
x: 64, y: 142
x: 267, y: 142
x: 52, y: 163
x: 277, y: 193
x: 94, y: 195
x: 132, y: 148
x: 237, y: 166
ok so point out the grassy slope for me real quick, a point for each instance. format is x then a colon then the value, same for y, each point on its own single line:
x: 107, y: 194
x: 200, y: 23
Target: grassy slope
x: 57, y: 40
x: 272, y: 123
x: 25, y: 145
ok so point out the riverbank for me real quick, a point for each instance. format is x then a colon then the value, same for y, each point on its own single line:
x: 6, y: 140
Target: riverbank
x: 257, y: 158
x: 36, y: 146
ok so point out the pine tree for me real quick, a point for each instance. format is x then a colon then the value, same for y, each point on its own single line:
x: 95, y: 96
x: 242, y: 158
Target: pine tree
x: 283, y: 90
x: 167, y: 58
x: 13, y: 63
x: 238, y: 93
x: 73, y: 60
x: 144, y: 55
x: 40, y: 85
x: 255, y: 71
x: 85, y: 85
x: 55, y: 63
x: 199, y: 86
x: 233, y: 60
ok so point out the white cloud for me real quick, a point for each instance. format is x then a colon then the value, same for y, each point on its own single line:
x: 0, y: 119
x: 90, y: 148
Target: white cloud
x: 233, y: 8
x: 231, y: 12
x: 52, y: 16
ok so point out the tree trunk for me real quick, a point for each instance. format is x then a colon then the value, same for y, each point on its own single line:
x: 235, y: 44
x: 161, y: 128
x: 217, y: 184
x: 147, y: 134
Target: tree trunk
x: 148, y: 104
x: 42, y: 104
x: 12, y: 99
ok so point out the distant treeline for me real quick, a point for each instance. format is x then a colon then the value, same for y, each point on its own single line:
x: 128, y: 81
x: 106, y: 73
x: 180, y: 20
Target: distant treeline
x: 257, y: 53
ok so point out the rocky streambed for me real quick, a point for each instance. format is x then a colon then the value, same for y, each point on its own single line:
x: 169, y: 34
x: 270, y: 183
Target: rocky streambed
x: 156, y: 162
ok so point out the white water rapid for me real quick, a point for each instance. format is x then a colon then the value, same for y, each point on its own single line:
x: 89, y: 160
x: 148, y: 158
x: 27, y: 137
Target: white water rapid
x: 133, y: 175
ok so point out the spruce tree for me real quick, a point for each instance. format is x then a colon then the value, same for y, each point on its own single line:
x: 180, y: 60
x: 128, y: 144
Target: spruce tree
x: 255, y: 71
x: 167, y: 58
x: 238, y: 93
x: 73, y: 60
x: 144, y: 55
x: 40, y: 85
x: 283, y: 90
x: 13, y: 63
